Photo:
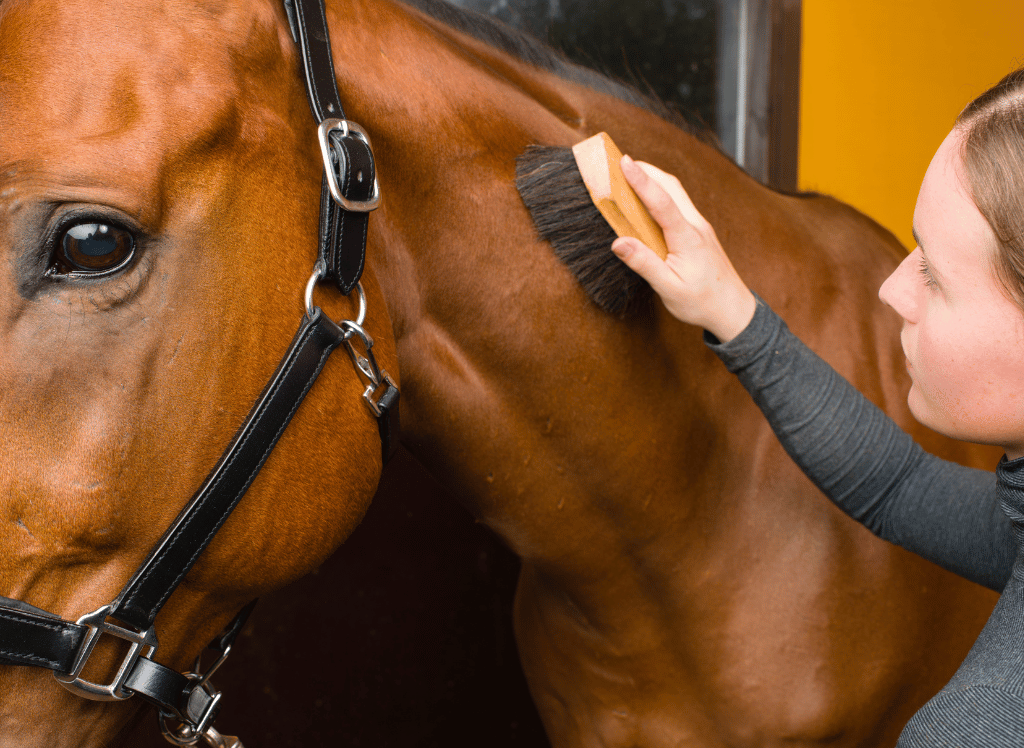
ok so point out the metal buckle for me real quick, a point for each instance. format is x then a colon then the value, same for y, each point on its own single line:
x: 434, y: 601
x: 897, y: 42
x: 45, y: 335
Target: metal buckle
x: 98, y: 625
x: 346, y: 128
x: 189, y: 733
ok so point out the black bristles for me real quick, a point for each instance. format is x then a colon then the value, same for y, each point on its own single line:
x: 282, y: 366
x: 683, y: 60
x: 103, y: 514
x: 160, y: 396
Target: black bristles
x: 550, y: 184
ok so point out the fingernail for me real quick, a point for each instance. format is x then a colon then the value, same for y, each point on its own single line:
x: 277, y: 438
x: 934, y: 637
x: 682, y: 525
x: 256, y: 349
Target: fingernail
x: 620, y: 246
x: 628, y: 163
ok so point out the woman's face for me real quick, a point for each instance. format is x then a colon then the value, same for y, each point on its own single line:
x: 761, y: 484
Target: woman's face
x: 963, y: 338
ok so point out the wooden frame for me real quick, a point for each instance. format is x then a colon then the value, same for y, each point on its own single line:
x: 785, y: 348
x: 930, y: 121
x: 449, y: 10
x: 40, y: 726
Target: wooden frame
x: 784, y: 95
x: 759, y: 87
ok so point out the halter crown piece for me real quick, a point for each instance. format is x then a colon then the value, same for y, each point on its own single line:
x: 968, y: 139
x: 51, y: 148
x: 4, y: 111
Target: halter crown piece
x: 187, y: 702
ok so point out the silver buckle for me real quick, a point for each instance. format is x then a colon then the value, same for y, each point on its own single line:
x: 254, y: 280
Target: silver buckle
x: 143, y: 644
x: 346, y: 128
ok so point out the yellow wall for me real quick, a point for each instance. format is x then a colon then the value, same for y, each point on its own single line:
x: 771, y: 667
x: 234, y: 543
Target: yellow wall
x: 881, y: 83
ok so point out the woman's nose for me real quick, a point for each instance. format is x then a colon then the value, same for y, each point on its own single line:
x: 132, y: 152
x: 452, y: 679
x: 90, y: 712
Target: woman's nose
x: 901, y: 289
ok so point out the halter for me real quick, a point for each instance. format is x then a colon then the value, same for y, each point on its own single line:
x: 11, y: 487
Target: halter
x: 187, y: 702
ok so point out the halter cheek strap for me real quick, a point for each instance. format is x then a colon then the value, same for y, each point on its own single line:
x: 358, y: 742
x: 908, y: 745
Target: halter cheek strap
x: 350, y: 190
x: 187, y: 702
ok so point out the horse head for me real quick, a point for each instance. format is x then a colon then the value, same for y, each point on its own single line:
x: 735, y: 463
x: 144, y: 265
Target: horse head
x: 159, y: 188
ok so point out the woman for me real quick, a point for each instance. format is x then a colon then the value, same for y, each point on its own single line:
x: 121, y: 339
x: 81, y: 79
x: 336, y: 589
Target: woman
x: 961, y: 296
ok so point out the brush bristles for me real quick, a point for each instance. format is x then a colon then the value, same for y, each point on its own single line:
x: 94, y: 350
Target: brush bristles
x: 550, y: 184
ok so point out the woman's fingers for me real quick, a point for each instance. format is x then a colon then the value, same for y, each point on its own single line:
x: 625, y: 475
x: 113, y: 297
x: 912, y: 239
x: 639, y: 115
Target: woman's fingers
x: 643, y: 261
x: 697, y: 283
x: 675, y: 293
x: 674, y: 188
x: 658, y: 201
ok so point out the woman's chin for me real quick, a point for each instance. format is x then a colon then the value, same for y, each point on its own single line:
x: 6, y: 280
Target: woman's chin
x: 926, y: 414
x: 917, y: 406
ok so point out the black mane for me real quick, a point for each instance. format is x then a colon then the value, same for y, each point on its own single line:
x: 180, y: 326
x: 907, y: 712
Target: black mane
x: 547, y: 177
x: 535, y: 52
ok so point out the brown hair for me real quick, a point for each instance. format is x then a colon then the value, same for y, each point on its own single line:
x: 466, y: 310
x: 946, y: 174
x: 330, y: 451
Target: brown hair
x: 992, y: 153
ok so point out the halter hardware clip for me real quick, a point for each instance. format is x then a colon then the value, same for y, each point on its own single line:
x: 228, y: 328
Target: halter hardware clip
x: 185, y: 735
x: 367, y: 366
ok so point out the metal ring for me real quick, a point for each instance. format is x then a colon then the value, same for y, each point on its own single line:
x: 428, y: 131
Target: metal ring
x: 355, y: 328
x: 361, y: 317
x: 319, y: 270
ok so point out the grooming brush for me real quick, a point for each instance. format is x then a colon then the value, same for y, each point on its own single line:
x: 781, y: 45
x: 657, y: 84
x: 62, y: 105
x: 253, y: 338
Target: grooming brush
x: 599, y: 161
x: 580, y: 201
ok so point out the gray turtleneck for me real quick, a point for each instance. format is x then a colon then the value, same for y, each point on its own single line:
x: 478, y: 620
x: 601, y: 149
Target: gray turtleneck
x: 965, y: 520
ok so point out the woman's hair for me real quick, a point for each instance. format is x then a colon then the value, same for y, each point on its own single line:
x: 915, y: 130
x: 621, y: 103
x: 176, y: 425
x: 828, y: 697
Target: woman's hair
x: 992, y: 153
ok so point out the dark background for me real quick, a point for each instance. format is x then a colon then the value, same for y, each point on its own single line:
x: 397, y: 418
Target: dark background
x: 403, y: 639
x: 665, y: 47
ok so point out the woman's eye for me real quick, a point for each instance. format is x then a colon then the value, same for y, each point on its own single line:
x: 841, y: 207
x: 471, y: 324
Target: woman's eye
x: 93, y: 248
x: 929, y: 279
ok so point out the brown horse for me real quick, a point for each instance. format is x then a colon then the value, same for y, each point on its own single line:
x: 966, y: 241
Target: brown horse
x: 682, y: 583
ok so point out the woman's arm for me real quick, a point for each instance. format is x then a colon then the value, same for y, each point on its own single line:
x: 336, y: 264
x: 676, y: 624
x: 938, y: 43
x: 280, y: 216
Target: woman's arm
x: 864, y: 462
x: 852, y: 451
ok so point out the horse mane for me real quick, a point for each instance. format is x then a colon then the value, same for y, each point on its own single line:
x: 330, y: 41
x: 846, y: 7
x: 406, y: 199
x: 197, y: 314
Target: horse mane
x: 547, y: 178
x: 531, y: 50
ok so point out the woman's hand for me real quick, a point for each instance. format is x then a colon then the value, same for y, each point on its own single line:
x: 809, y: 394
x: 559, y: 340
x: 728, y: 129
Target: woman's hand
x: 697, y: 283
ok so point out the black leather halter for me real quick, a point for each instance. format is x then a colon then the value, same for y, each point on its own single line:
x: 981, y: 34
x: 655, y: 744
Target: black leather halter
x: 187, y: 703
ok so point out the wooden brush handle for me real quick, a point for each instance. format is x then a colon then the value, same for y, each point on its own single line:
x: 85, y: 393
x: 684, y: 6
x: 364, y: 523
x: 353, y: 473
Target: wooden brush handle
x: 598, y: 159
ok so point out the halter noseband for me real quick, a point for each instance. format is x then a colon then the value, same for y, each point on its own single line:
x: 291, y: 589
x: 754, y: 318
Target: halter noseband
x: 187, y: 702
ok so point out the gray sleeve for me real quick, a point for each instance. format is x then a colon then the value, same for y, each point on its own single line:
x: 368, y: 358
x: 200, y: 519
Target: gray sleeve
x: 977, y: 717
x: 864, y: 462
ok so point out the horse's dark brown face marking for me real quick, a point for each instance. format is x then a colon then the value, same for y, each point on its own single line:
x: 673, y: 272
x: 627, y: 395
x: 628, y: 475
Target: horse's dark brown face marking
x: 123, y: 373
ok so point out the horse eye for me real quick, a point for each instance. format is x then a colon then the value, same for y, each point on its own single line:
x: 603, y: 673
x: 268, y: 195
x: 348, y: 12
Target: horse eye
x: 93, y: 248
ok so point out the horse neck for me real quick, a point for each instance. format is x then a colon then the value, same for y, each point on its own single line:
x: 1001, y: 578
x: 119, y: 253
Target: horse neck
x: 500, y: 353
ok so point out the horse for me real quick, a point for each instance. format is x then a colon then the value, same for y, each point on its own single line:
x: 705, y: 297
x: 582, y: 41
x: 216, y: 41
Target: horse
x: 682, y: 583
